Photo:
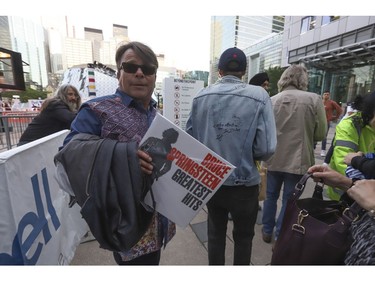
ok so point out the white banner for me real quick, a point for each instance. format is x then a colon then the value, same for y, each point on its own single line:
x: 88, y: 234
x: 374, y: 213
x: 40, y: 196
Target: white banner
x: 90, y: 82
x: 36, y: 224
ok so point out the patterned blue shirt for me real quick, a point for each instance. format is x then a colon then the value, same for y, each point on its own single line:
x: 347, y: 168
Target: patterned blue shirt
x: 121, y: 118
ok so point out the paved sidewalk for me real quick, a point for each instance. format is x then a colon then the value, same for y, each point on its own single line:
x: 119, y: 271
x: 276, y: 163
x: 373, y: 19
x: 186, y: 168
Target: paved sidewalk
x: 189, y: 246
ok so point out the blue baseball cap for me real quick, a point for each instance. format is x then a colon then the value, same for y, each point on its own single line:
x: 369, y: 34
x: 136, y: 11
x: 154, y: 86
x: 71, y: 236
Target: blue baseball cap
x: 233, y: 59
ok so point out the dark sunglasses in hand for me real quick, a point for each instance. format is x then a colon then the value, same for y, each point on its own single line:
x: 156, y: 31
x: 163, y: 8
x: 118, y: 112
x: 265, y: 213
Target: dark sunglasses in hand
x: 132, y: 68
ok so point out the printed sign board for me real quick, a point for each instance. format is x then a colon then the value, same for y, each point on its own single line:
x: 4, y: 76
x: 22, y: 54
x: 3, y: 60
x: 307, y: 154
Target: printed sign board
x: 178, y: 96
x: 186, y: 172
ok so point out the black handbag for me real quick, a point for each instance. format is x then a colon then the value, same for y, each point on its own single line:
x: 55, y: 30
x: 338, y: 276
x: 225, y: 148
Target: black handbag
x: 314, y: 231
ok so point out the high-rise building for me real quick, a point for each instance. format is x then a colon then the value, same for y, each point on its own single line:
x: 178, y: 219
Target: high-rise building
x: 75, y: 46
x: 109, y: 47
x: 240, y: 32
x: 339, y: 52
x: 120, y: 30
x: 55, y: 50
x: 26, y: 37
x: 264, y: 54
x: 77, y: 52
x: 96, y: 38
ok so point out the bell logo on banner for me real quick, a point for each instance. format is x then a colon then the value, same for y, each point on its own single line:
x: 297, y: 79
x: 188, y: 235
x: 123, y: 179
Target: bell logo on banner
x: 21, y: 245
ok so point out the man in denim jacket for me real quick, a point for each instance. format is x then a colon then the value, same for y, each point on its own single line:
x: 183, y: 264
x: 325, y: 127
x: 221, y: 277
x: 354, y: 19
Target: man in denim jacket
x: 235, y: 120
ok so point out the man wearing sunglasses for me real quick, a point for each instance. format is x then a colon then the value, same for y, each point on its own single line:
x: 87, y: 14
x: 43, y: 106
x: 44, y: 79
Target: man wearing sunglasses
x: 125, y: 116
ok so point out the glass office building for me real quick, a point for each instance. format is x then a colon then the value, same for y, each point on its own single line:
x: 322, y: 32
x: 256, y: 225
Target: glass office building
x: 239, y: 31
x: 264, y: 54
x: 26, y: 37
x: 339, y: 52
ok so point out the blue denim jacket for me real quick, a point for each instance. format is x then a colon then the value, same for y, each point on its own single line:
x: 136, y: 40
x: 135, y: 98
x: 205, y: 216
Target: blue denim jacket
x: 235, y: 120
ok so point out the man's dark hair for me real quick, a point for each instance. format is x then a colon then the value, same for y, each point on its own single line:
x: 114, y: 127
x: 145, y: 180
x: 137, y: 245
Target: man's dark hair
x: 259, y: 78
x: 365, y: 104
x: 171, y: 135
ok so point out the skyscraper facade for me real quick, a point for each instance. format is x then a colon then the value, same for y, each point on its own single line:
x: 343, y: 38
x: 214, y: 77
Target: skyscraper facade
x: 264, y: 54
x: 239, y: 31
x: 26, y: 37
x: 339, y: 52
x: 96, y: 37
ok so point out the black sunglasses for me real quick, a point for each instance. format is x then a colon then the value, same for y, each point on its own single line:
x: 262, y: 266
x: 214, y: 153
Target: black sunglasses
x: 132, y: 68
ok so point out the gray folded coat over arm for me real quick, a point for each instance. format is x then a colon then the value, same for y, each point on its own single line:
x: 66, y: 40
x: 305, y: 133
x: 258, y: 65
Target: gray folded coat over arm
x: 106, y: 180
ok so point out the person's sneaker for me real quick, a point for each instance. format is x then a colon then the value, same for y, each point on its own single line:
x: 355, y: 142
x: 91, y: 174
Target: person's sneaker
x: 266, y: 237
x: 323, y: 153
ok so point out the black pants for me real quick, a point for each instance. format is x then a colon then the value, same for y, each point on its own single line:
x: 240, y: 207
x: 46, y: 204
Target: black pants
x: 149, y: 259
x: 242, y: 203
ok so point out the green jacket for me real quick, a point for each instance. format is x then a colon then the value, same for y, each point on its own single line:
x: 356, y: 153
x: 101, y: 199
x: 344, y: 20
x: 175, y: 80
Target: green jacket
x: 346, y: 141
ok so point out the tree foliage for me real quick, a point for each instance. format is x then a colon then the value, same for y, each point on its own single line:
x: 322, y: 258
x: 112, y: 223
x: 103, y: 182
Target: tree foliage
x: 274, y: 73
x: 26, y: 95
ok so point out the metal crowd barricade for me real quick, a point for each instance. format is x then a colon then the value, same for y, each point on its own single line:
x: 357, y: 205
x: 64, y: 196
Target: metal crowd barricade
x: 12, y: 125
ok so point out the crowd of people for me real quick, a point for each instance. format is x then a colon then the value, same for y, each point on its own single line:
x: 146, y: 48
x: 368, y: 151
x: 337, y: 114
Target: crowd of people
x: 5, y: 106
x: 281, y: 131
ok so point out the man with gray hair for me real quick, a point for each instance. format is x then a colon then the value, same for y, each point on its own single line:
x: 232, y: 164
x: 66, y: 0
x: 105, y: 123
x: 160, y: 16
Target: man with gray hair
x: 300, y: 121
x: 56, y: 114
